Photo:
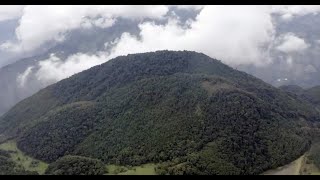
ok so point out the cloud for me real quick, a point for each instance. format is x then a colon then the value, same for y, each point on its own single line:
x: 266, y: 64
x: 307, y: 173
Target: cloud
x: 22, y: 78
x: 291, y: 43
x: 189, y: 7
x: 234, y: 34
x: 310, y: 69
x: 8, y: 12
x: 237, y: 35
x: 288, y: 12
x: 289, y: 61
x: 41, y: 24
x: 55, y: 69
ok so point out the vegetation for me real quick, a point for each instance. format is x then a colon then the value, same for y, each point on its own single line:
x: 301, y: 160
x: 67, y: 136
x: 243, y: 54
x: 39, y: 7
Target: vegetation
x: 314, y: 155
x: 311, y: 165
x: 294, y: 89
x: 18, y: 158
x: 311, y: 95
x: 76, y: 165
x: 144, y: 169
x: 9, y: 167
x: 187, y: 112
x: 5, y: 154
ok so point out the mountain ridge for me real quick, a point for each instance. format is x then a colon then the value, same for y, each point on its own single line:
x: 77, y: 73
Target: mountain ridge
x: 170, y: 107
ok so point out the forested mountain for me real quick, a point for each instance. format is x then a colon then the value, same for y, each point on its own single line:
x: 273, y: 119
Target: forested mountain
x: 311, y: 95
x: 184, y: 110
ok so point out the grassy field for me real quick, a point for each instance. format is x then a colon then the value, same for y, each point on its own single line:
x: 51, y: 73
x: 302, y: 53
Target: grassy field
x: 300, y: 166
x: 20, y: 158
x: 146, y: 169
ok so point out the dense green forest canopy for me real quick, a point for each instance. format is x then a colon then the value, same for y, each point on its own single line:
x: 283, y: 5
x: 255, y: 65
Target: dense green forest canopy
x: 76, y: 165
x: 184, y: 110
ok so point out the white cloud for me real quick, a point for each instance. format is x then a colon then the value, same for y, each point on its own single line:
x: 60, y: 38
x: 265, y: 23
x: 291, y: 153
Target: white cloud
x: 238, y: 35
x: 55, y: 69
x: 8, y: 46
x: 310, y: 69
x: 287, y: 12
x: 8, y: 12
x: 283, y: 79
x: 234, y: 34
x: 40, y: 24
x: 291, y: 43
x: 103, y: 23
x: 22, y: 78
x: 289, y: 61
x: 189, y: 7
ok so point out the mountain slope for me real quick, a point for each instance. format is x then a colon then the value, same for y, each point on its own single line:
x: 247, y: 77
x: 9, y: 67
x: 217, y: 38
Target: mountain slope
x: 312, y: 95
x: 182, y: 108
x: 292, y: 89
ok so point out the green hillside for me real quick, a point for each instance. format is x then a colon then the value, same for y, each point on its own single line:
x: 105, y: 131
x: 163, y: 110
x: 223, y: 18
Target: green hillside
x: 311, y: 95
x: 183, y: 110
x: 76, y: 165
x: 314, y: 95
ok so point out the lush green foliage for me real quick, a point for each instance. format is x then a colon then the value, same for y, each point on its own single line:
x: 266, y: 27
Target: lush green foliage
x: 69, y: 126
x: 185, y: 110
x: 9, y: 150
x: 9, y: 167
x: 76, y: 165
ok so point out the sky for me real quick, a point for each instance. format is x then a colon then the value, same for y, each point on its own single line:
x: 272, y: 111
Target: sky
x: 236, y: 35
